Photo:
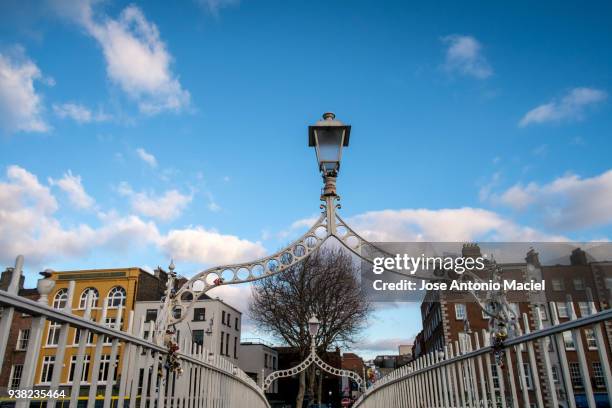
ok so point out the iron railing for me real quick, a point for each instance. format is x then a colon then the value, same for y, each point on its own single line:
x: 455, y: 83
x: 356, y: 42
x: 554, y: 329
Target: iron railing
x: 540, y: 368
x: 140, y: 378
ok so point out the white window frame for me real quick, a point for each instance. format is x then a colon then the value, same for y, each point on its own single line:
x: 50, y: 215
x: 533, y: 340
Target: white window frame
x: 574, y: 372
x: 90, y: 338
x: 557, y: 285
x: 55, y: 329
x: 555, y: 373
x: 460, y: 315
x: 46, y: 371
x: 528, y: 376
x: 12, y: 376
x: 567, y: 336
x: 116, y: 297
x: 598, y: 375
x: 591, y: 340
x: 84, y: 372
x: 562, y: 306
x: 580, y: 286
x: 83, y: 299
x: 60, y: 300
x: 585, y: 308
x: 23, y: 338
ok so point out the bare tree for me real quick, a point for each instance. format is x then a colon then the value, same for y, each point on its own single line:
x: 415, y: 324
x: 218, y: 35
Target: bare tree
x: 325, y: 284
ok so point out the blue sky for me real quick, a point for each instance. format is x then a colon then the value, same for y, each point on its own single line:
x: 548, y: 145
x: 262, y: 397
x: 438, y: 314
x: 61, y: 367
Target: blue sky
x: 135, y: 132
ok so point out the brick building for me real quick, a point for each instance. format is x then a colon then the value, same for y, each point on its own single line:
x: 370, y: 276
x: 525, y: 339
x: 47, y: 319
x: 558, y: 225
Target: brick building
x: 10, y: 372
x: 447, y: 317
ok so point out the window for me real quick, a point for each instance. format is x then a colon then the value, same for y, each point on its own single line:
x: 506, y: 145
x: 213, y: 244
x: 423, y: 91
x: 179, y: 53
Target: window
x: 227, y: 338
x: 235, y: 347
x: 490, y: 308
x: 109, y: 322
x: 197, y: 337
x: 555, y: 373
x: 585, y: 308
x: 557, y: 285
x: 151, y: 315
x: 199, y: 314
x: 460, y: 313
x: 495, y: 376
x: 85, y: 366
x: 527, y: 375
x: 229, y: 319
x: 105, y: 365
x: 265, y: 360
x: 590, y: 339
x: 568, y: 339
x: 77, y: 337
x: 15, y: 377
x: 574, y: 369
x: 116, y: 297
x: 22, y: 339
x: 562, y: 309
x: 578, y: 283
x: 54, y: 334
x: 516, y: 309
x: 94, y: 298
x: 222, y: 339
x: 223, y: 317
x: 598, y: 375
x: 61, y: 299
x: 47, y: 369
x: 542, y: 309
x: 236, y: 324
x: 274, y: 362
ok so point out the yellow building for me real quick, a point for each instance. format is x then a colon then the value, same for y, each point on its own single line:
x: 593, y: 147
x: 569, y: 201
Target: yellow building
x: 119, y: 289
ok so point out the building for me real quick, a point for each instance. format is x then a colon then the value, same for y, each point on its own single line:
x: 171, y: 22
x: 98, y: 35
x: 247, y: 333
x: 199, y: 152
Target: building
x: 405, y: 350
x: 210, y: 323
x: 258, y: 359
x: 12, y: 367
x: 352, y: 362
x: 114, y: 292
x: 448, y: 317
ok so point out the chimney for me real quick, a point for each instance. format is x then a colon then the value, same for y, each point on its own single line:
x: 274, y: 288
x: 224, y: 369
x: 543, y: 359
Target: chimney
x: 470, y: 250
x: 578, y: 257
x: 533, y: 258
x: 7, y: 275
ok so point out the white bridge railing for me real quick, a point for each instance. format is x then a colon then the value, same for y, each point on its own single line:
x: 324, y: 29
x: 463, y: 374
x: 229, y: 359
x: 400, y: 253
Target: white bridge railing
x: 535, y: 373
x: 138, y: 379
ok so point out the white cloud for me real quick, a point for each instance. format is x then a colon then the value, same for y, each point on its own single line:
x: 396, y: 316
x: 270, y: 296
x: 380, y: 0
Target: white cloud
x: 146, y: 157
x: 464, y: 56
x: 78, y: 113
x: 386, y: 344
x: 137, y: 60
x: 570, y: 107
x: 568, y: 202
x: 166, y: 207
x: 28, y: 225
x: 72, y: 186
x: 444, y: 225
x: 20, y: 105
x: 198, y: 244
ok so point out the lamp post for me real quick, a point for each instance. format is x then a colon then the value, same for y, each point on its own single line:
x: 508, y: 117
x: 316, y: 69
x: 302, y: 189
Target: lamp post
x: 312, y: 358
x: 328, y: 136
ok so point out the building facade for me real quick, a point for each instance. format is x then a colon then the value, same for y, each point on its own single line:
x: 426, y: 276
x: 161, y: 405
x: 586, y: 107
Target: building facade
x: 211, y: 323
x: 259, y: 360
x: 113, y: 294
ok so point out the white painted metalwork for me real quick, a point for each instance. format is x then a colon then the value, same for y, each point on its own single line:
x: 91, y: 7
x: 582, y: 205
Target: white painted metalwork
x: 465, y: 382
x: 214, y: 382
x: 312, y: 358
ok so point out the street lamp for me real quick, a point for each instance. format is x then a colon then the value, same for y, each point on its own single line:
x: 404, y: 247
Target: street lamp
x: 313, y: 326
x: 312, y: 358
x: 328, y: 136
